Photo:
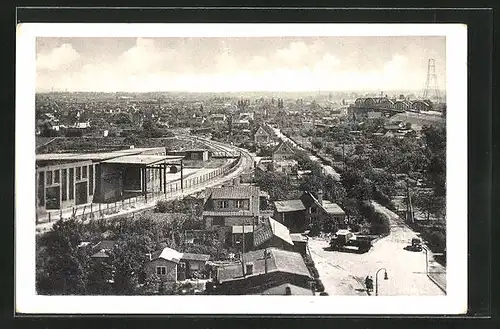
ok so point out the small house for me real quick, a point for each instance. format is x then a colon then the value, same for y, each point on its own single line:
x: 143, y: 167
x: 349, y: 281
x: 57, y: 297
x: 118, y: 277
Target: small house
x: 262, y: 270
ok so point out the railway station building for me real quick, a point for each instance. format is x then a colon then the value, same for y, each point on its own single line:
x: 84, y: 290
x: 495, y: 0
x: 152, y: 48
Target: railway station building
x: 65, y: 180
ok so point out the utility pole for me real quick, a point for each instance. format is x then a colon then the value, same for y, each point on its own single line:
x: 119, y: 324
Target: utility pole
x: 243, y: 250
x: 343, y: 154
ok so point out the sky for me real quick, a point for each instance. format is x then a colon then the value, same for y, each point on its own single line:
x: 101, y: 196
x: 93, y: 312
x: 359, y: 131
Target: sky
x: 238, y: 64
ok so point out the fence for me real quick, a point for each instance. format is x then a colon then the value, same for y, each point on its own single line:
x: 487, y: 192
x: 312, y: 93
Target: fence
x: 173, y: 190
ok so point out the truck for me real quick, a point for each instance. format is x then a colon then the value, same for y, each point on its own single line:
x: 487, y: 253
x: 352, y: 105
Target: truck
x: 345, y: 240
x: 416, y: 245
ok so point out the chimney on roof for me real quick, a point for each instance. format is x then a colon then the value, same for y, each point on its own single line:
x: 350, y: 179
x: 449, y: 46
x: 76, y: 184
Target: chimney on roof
x: 320, y: 196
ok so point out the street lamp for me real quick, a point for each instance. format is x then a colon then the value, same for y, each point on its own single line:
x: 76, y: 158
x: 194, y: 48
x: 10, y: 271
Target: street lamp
x: 376, y: 279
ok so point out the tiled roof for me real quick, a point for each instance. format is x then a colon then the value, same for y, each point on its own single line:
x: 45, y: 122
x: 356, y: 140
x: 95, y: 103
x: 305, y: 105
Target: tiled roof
x: 234, y: 192
x: 278, y: 260
x: 239, y: 213
x: 284, y: 147
x: 262, y: 234
x: 270, y: 229
x: 289, y: 205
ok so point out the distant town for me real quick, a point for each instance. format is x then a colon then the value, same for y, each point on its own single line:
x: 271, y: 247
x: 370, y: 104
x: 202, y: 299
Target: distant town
x: 319, y: 193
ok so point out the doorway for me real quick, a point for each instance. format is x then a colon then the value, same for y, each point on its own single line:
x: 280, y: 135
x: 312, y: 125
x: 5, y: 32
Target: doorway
x: 81, y: 193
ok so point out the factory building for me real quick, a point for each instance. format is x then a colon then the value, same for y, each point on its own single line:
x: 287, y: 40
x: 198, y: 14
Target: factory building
x: 65, y: 180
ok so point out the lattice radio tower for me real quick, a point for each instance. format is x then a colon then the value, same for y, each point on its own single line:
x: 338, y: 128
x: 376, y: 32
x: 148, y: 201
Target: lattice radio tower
x: 431, y: 84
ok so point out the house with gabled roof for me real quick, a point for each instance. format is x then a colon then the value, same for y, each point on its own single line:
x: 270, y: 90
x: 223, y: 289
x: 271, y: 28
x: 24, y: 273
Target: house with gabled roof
x: 272, y: 234
x: 260, y: 271
x: 264, y: 135
x: 298, y: 215
x: 284, y: 151
x: 170, y: 265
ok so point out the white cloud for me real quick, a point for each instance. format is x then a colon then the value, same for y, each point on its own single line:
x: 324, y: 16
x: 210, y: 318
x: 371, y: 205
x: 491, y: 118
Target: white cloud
x: 57, y: 58
x: 148, y: 67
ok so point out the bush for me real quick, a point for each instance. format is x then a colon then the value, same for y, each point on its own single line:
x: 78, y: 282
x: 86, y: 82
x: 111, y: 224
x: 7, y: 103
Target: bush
x: 319, y: 286
x: 436, y: 240
x: 380, y: 224
x: 162, y: 206
x: 323, y: 293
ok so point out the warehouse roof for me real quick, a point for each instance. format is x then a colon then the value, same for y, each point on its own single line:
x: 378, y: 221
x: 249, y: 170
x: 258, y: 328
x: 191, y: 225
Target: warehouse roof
x: 141, y: 159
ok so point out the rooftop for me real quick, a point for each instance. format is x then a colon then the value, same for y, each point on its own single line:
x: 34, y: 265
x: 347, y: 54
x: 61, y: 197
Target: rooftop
x: 289, y: 205
x: 268, y: 230
x: 199, y: 257
x: 281, y: 289
x: 167, y: 254
x: 277, y: 261
x: 100, y: 156
x: 233, y: 192
x: 332, y: 208
x: 142, y: 159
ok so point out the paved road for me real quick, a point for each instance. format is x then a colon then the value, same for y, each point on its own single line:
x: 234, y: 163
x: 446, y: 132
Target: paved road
x: 405, y: 269
x: 328, y: 170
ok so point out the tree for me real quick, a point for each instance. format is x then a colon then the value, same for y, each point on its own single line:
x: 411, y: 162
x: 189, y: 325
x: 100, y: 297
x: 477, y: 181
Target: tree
x: 430, y: 204
x: 127, y: 260
x: 277, y: 184
x: 317, y: 144
x: 66, y: 266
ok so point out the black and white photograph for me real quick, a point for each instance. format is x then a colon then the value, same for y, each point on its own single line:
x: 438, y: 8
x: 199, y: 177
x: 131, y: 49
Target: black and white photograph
x: 218, y: 160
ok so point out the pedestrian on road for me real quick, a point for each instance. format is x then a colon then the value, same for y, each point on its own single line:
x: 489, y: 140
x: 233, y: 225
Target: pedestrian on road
x: 369, y: 284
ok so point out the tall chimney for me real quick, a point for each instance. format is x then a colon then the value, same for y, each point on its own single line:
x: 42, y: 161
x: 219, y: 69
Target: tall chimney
x: 320, y: 196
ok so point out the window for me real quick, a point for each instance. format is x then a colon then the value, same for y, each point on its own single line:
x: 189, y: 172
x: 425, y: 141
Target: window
x: 78, y: 173
x: 223, y: 204
x: 71, y: 183
x: 56, y: 176
x: 49, y: 177
x: 64, y: 185
x: 91, y: 179
x: 239, y: 204
x: 161, y: 270
x: 84, y: 172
